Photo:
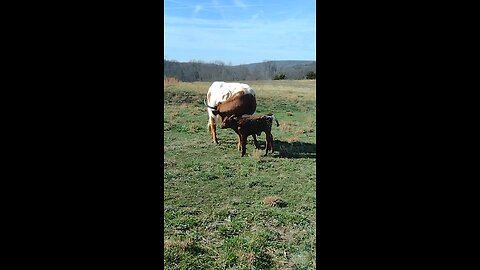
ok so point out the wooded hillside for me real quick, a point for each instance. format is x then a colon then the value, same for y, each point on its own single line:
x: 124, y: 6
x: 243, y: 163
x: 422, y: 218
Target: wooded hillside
x: 218, y: 71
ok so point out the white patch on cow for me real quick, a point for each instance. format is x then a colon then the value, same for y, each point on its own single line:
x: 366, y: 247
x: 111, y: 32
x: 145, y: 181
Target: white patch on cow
x: 220, y: 89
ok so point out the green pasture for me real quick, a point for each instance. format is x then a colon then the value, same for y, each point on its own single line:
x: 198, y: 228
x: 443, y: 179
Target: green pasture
x: 223, y: 211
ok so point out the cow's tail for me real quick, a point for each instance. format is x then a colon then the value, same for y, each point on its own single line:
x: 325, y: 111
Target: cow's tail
x: 205, y: 102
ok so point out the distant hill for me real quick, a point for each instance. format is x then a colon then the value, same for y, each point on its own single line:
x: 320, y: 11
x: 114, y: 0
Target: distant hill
x: 286, y: 64
x: 218, y: 71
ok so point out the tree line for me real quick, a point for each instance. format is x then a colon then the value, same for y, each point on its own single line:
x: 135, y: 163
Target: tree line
x: 218, y: 71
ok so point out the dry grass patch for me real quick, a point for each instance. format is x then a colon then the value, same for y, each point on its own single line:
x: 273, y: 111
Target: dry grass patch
x: 304, y: 89
x: 174, y: 114
x: 257, y: 154
x: 249, y: 258
x: 311, y: 123
x: 274, y: 201
x: 169, y: 81
x: 292, y: 139
x: 286, y: 125
x: 304, y: 130
x: 182, y: 245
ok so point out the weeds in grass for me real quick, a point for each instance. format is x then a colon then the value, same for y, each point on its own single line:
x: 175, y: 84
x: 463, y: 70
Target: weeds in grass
x: 167, y: 127
x: 194, y: 127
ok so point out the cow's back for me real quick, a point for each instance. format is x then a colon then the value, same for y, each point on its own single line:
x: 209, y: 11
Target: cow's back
x: 221, y: 91
x: 239, y: 104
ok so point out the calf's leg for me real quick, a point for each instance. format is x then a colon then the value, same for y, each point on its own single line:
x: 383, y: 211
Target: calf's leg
x: 257, y: 145
x: 269, y: 143
x: 239, y: 145
x: 244, y: 144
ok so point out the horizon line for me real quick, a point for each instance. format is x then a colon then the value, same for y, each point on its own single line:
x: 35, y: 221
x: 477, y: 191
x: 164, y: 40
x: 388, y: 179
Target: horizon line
x: 226, y: 64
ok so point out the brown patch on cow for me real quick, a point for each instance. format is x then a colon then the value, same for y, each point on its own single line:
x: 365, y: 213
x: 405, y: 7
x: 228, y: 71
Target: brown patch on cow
x: 226, y: 96
x: 239, y: 93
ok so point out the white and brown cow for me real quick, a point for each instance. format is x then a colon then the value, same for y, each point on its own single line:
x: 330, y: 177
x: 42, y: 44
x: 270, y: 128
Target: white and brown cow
x: 225, y: 99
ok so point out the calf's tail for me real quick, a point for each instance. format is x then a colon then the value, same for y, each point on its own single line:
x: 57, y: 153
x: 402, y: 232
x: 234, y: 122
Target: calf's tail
x: 274, y: 118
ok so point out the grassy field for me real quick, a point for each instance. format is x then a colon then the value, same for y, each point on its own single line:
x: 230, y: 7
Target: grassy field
x: 222, y: 211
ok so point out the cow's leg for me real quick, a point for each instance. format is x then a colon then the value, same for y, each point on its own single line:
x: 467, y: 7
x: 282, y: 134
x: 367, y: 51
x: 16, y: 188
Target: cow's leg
x: 209, y: 129
x: 244, y: 144
x: 212, y: 129
x: 257, y: 145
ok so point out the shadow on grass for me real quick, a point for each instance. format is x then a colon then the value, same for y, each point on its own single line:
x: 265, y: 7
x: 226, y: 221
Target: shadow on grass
x: 281, y: 148
x: 294, y: 149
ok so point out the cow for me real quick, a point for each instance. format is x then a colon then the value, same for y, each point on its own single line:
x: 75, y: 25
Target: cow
x: 251, y: 125
x: 225, y: 99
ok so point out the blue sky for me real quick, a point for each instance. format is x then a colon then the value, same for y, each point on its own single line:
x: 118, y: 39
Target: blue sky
x: 239, y: 31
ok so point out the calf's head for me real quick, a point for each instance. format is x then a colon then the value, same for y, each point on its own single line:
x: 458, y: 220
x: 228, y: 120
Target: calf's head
x: 229, y: 122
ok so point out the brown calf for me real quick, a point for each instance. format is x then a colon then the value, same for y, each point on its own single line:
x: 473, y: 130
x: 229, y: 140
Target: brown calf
x: 238, y: 105
x: 251, y: 125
